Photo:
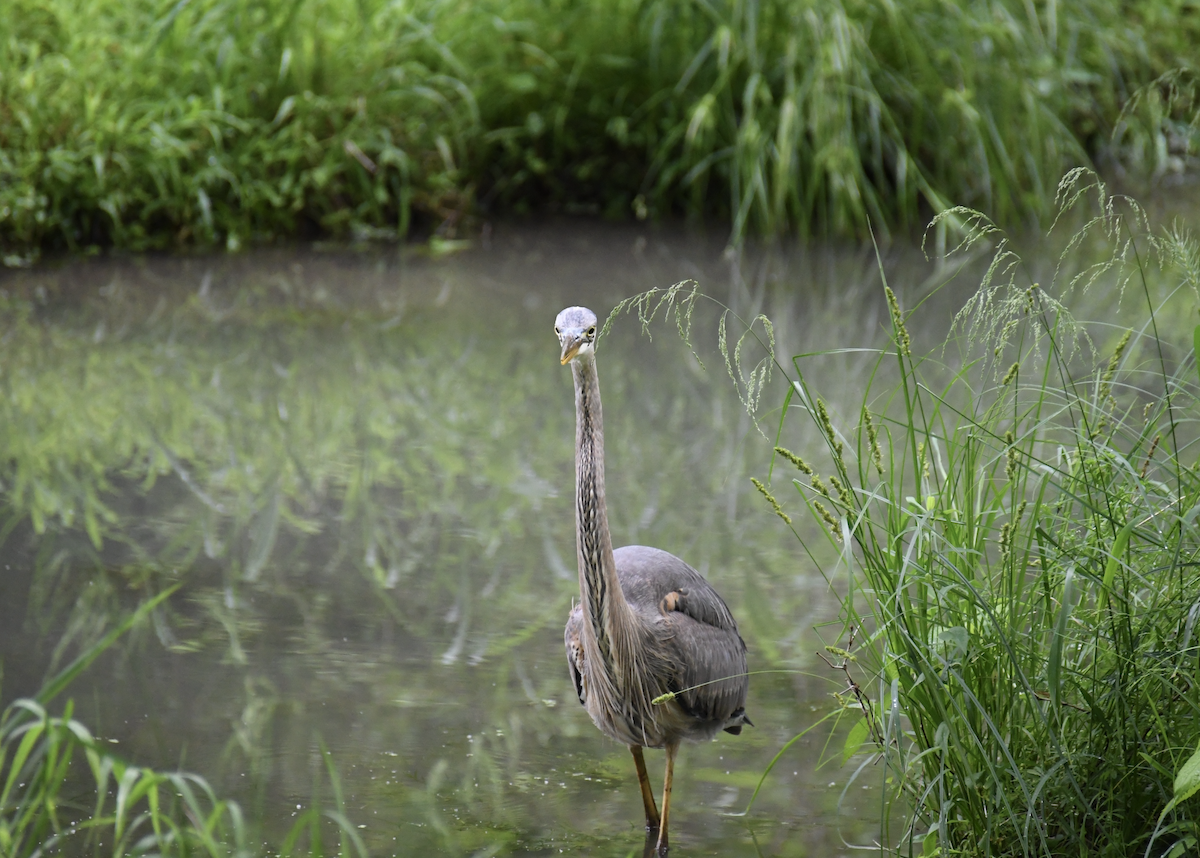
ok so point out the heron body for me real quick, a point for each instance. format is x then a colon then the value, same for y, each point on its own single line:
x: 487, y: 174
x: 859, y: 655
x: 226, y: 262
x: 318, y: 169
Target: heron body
x: 648, y: 626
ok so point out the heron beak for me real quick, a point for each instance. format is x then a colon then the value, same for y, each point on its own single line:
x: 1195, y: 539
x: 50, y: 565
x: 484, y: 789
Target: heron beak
x: 570, y: 349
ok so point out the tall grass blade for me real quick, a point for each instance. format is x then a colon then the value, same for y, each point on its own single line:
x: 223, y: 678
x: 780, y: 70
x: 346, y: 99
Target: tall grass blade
x: 1187, y: 782
x: 1120, y: 544
x: 53, y: 687
x: 1196, y: 348
x: 783, y: 750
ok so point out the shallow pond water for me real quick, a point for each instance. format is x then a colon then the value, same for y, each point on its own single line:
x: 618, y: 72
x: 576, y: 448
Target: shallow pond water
x: 361, y: 466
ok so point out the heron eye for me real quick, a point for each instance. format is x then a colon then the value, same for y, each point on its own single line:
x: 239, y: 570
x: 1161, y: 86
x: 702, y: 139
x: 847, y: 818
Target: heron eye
x: 591, y: 332
x: 557, y: 329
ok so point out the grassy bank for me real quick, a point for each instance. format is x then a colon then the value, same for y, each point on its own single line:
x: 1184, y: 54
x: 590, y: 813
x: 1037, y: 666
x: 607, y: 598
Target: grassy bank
x: 151, y: 124
x: 1013, y: 526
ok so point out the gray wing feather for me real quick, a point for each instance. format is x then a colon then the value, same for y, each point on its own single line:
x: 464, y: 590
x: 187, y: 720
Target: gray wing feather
x: 716, y: 663
x: 700, y: 631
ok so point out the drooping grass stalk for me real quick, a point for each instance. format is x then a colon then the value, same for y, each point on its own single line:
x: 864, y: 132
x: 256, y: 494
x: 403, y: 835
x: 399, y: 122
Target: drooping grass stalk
x: 1024, y: 561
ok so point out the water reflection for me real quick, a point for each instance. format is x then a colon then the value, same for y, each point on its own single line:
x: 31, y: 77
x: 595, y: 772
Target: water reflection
x: 362, y: 467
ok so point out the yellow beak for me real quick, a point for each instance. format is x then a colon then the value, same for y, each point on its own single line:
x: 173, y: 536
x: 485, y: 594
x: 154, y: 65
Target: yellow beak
x: 570, y: 349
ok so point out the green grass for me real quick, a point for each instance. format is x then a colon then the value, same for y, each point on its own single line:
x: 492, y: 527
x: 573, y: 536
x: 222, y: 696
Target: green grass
x: 1010, y: 522
x: 154, y: 124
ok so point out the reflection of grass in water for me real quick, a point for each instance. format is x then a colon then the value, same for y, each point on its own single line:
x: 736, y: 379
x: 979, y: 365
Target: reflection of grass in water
x: 407, y: 506
x: 264, y: 464
x: 199, y: 474
x: 1015, y: 539
x: 242, y: 453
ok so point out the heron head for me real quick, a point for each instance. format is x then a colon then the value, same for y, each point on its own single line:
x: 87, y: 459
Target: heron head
x: 576, y: 330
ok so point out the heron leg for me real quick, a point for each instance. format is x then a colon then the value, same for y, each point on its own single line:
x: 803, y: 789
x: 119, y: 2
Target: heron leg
x: 644, y: 783
x: 672, y: 748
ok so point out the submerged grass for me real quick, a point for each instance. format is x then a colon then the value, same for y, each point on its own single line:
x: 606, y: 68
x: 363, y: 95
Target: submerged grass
x: 1018, y: 547
x: 216, y: 122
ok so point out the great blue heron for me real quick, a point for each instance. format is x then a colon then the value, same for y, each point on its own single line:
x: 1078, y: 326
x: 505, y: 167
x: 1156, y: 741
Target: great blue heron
x: 647, y: 624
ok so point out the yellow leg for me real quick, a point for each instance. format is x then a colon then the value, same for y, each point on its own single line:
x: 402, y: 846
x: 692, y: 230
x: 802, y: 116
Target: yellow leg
x: 644, y: 783
x: 666, y: 810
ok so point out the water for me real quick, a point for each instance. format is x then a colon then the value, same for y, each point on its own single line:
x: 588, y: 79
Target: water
x: 361, y: 466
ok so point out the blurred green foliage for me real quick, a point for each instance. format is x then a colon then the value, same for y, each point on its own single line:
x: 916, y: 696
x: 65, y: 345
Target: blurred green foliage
x: 151, y: 124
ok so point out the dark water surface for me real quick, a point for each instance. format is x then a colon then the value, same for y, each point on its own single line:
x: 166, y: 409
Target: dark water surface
x: 361, y: 466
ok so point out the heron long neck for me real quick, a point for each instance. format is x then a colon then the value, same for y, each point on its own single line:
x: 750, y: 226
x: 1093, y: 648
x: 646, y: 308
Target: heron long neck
x: 608, y: 614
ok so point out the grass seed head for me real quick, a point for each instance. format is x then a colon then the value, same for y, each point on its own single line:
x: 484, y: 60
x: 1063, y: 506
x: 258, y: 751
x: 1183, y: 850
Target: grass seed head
x: 827, y: 428
x: 765, y: 492
x: 1150, y: 455
x: 800, y: 464
x: 903, y: 340
x: 829, y: 519
x: 1113, y: 362
x: 842, y: 493
x: 873, y: 440
x: 1008, y: 531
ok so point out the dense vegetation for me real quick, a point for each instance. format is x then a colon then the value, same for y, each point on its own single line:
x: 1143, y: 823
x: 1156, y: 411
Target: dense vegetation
x: 1013, y: 522
x: 144, y: 124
